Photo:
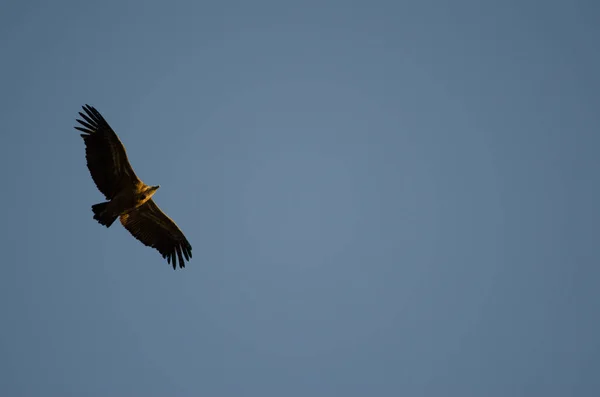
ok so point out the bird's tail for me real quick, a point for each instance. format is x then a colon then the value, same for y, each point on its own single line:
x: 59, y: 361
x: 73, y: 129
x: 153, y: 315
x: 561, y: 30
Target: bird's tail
x: 102, y: 215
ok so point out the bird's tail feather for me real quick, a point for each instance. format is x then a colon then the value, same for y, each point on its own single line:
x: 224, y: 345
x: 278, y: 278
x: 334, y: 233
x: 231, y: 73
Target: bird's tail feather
x: 102, y: 215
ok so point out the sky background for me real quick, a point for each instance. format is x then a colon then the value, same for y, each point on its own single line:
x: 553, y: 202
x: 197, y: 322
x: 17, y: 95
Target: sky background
x: 384, y: 198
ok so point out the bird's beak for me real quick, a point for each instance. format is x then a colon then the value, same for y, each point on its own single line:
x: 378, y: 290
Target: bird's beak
x: 156, y: 187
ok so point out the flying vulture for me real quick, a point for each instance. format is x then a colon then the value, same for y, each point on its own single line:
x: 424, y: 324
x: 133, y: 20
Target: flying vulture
x: 128, y: 197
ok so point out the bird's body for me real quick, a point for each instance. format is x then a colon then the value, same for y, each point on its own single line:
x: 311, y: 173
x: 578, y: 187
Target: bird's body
x: 124, y: 202
x: 128, y: 197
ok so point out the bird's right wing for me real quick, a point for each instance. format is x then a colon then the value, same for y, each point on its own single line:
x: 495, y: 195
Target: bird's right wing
x: 105, y: 154
x: 155, y: 229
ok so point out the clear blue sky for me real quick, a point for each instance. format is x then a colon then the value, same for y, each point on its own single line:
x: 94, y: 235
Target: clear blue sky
x: 385, y: 198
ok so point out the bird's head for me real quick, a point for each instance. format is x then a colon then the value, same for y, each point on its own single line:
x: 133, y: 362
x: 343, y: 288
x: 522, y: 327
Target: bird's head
x: 149, y: 192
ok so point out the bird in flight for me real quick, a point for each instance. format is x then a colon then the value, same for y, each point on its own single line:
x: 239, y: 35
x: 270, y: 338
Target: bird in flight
x: 128, y: 197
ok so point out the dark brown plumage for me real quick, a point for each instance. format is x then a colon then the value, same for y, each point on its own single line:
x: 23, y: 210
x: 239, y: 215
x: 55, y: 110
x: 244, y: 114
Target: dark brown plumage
x: 128, y: 197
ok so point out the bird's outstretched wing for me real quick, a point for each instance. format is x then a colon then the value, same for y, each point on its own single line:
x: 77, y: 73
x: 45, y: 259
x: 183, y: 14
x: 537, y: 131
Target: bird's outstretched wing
x: 155, y: 229
x: 105, y: 154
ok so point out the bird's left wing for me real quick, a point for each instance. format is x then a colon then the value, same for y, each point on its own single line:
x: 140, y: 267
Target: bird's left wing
x: 155, y: 229
x: 105, y: 154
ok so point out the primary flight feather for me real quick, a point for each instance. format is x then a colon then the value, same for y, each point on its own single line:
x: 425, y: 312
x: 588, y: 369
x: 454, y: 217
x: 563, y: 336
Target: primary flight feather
x: 128, y: 197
